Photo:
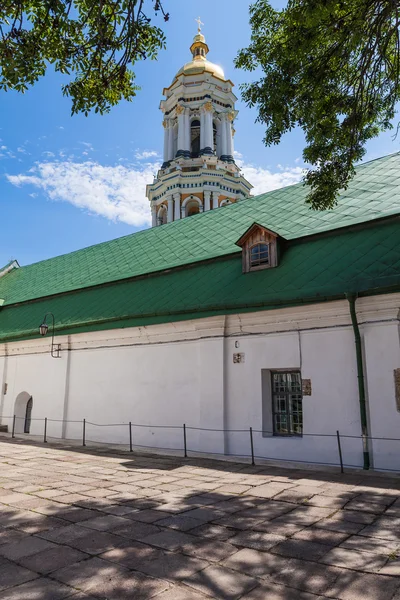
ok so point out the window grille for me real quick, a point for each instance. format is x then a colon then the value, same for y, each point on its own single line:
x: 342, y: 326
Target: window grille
x: 259, y: 255
x: 287, y: 403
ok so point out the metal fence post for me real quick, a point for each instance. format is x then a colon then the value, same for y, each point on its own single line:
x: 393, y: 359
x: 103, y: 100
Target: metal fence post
x: 252, y: 446
x: 184, y: 440
x: 130, y: 437
x: 45, y: 430
x: 340, y: 451
x: 84, y: 433
x: 13, y: 427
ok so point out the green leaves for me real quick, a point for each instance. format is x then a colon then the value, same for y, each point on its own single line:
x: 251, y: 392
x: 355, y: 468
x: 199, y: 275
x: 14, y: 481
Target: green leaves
x: 332, y: 68
x: 94, y: 42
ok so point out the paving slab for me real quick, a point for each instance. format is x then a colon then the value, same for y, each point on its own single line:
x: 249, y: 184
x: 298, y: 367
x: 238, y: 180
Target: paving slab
x: 209, y: 549
x: 256, y: 539
x: 275, y: 591
x: 255, y: 563
x: 301, y: 549
x: 39, y: 589
x: 169, y: 540
x: 354, y: 586
x: 25, y: 547
x: 222, y: 583
x: 12, y: 574
x: 352, y: 559
x: 52, y: 559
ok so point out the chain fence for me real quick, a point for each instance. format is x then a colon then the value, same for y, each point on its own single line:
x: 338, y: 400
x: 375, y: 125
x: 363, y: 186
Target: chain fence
x: 329, y: 449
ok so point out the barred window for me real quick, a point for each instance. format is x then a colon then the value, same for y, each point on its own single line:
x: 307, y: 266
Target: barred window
x: 259, y: 255
x: 287, y: 403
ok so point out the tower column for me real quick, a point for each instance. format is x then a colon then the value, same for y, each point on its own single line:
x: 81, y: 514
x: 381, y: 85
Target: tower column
x: 170, y: 214
x: 177, y: 203
x: 224, y: 149
x: 229, y: 137
x: 202, y: 130
x: 187, y: 132
x: 153, y: 215
x: 171, y: 141
x: 207, y: 198
x: 166, y: 140
x: 215, y: 196
x: 208, y: 141
x: 180, y: 111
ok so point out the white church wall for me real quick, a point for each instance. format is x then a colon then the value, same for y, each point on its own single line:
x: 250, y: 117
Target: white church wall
x: 382, y: 356
x: 166, y: 384
x: 184, y: 372
x: 43, y: 378
x: 324, y: 356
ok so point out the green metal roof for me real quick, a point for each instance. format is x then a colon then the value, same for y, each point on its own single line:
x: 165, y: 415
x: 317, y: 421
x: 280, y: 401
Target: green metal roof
x: 374, y: 193
x: 363, y: 260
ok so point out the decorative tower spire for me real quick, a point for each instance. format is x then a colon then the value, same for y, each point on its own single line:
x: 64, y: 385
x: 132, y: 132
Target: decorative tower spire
x: 199, y: 172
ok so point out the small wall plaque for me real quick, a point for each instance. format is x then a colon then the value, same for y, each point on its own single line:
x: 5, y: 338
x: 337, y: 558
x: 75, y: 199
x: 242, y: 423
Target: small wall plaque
x: 306, y: 385
x: 238, y: 357
x: 397, y: 388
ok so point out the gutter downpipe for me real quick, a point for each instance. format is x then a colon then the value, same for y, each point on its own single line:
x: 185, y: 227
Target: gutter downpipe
x: 360, y: 377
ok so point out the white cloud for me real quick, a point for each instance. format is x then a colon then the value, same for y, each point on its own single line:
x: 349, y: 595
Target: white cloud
x: 114, y: 192
x: 146, y: 154
x: 87, y: 145
x: 48, y: 154
x: 117, y: 192
x: 265, y: 180
x: 3, y: 147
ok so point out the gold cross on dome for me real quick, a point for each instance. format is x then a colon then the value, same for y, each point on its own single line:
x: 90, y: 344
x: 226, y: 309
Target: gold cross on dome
x: 199, y: 24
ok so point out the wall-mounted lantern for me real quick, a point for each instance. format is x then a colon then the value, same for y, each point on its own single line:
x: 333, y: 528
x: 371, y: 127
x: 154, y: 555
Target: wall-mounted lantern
x: 43, y: 329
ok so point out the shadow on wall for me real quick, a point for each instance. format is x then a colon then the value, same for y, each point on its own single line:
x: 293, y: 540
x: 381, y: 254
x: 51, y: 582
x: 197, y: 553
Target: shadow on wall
x: 202, y: 528
x: 23, y: 412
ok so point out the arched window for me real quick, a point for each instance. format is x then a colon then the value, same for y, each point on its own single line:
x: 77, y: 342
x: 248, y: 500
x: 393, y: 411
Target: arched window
x: 259, y: 255
x: 195, y: 138
x: 191, y: 206
x: 214, y: 137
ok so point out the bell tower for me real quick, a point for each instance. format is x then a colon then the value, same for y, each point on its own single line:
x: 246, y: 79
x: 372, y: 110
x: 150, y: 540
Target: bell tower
x: 199, y: 171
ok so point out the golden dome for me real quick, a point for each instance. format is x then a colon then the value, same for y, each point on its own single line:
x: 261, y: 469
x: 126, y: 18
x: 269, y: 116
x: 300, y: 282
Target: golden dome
x: 197, y: 66
x: 199, y: 63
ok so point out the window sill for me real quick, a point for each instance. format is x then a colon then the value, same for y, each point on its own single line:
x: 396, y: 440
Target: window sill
x: 295, y: 436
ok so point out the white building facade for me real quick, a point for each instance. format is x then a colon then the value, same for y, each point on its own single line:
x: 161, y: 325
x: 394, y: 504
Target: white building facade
x: 110, y: 377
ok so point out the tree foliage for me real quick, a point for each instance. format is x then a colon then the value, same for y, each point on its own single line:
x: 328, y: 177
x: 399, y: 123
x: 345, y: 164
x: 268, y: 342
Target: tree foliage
x: 95, y: 42
x: 332, y: 68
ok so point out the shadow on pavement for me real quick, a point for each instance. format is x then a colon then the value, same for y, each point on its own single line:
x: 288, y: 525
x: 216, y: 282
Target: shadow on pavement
x: 81, y: 524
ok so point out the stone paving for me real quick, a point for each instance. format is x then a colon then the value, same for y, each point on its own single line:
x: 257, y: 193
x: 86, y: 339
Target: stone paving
x: 89, y: 524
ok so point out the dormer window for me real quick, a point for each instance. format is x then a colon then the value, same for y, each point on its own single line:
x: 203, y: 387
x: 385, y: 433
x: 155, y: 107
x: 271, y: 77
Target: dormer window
x: 259, y: 248
x: 259, y: 255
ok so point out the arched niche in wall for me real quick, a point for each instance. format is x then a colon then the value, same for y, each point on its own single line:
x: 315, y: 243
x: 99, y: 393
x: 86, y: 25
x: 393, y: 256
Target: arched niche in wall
x: 23, y: 411
x: 192, y: 205
x: 195, y: 138
x: 162, y: 215
x: 217, y: 137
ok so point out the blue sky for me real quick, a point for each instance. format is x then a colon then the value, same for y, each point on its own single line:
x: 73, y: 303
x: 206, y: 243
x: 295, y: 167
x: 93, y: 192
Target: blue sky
x: 69, y: 182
